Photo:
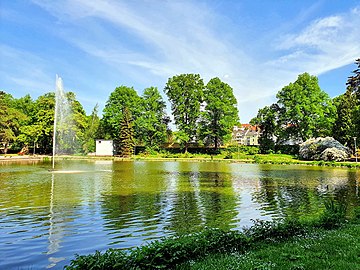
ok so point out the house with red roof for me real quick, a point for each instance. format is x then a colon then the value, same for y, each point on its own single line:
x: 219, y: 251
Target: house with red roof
x: 245, y: 134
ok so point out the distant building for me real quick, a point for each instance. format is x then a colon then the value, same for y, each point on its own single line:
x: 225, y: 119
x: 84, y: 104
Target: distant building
x: 105, y: 147
x: 245, y: 134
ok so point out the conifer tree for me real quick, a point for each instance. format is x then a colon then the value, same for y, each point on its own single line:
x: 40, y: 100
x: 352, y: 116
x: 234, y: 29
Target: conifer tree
x: 126, y: 136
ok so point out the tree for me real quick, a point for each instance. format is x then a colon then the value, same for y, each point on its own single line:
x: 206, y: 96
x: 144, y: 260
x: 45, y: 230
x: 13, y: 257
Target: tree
x: 44, y: 120
x: 220, y: 114
x: 10, y: 120
x: 185, y: 93
x: 266, y: 120
x: 126, y: 136
x: 306, y: 110
x: 71, y: 130
x: 344, y: 127
x: 152, y: 124
x: 120, y: 98
x: 93, y: 122
x: 353, y: 84
x: 353, y: 81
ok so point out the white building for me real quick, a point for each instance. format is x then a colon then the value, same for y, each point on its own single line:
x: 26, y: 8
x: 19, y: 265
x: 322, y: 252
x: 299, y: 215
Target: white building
x: 104, y: 147
x: 246, y: 134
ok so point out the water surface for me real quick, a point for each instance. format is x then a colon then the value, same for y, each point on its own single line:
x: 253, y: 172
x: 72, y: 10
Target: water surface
x: 47, y: 217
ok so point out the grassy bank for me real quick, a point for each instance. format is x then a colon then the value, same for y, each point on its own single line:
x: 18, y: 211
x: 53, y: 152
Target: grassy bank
x: 331, y: 239
x: 280, y: 159
x: 321, y: 249
x: 241, y: 157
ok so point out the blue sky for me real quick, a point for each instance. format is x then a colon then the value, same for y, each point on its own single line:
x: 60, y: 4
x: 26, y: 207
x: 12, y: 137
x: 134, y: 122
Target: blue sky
x: 257, y: 47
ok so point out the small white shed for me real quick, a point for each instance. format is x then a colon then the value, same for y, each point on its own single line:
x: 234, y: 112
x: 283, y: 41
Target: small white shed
x: 104, y: 147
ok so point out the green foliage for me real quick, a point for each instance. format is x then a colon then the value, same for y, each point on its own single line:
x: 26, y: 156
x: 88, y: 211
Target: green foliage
x: 110, y: 259
x: 152, y: 124
x: 353, y: 81
x: 166, y: 253
x: 266, y: 120
x: 10, y: 120
x: 126, y: 137
x: 344, y: 128
x: 170, y: 252
x: 185, y: 93
x: 305, y: 110
x: 91, y: 132
x: 320, y: 249
x: 334, y: 214
x: 71, y: 130
x: 120, y: 98
x: 220, y: 114
x: 243, y: 149
x: 44, y: 120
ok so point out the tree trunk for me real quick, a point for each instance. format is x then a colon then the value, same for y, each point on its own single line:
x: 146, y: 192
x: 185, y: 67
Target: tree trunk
x: 216, y: 143
x: 186, y: 147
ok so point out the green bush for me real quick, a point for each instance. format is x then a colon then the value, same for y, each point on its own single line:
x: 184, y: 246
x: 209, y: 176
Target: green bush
x: 243, y: 149
x: 334, y: 214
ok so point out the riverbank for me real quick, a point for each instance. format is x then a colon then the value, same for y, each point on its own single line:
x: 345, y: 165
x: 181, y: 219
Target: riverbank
x: 331, y: 241
x: 322, y: 249
x: 276, y: 159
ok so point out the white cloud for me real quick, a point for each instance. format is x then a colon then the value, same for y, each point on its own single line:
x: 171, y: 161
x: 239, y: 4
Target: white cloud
x: 326, y: 44
x: 28, y: 73
x: 151, y: 42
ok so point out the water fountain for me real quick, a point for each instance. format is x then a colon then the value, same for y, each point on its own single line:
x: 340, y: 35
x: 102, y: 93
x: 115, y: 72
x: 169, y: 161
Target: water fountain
x: 62, y: 120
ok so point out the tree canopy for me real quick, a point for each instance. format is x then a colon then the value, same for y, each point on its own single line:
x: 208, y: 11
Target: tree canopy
x: 220, y: 113
x: 185, y: 93
x: 306, y: 110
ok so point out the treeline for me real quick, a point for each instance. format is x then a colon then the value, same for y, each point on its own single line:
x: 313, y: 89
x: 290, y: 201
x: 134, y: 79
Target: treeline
x: 202, y: 113
x: 304, y: 111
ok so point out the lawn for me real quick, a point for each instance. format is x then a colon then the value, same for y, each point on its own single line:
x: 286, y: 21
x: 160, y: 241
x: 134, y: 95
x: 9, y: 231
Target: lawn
x: 321, y: 249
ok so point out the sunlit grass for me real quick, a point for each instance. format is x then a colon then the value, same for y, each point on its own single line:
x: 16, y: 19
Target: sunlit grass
x: 335, y: 249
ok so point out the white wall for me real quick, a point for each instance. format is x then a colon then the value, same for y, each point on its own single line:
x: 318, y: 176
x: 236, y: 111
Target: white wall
x: 104, y: 147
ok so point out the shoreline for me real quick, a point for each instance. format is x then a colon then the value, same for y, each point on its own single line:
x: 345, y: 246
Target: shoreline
x: 273, y: 159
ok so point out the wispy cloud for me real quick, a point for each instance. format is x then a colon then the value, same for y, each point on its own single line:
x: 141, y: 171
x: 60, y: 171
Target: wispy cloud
x: 28, y: 73
x: 149, y: 42
x: 327, y: 43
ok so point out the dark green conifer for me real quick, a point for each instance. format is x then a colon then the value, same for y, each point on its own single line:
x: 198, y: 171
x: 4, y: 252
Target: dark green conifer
x: 126, y: 138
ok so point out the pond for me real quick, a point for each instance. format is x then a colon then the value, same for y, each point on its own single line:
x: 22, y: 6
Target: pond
x: 47, y: 217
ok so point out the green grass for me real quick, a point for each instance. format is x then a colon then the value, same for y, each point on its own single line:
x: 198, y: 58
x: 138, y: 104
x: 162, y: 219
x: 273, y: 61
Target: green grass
x: 334, y: 249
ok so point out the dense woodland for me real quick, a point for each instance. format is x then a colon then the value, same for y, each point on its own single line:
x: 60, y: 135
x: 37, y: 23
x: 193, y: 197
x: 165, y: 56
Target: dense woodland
x: 202, y: 113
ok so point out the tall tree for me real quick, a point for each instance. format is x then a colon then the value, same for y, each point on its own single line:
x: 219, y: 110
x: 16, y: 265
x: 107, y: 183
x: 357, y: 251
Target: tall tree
x: 266, y: 120
x: 353, y: 81
x: 185, y: 93
x: 353, y: 84
x: 120, y: 98
x: 10, y: 120
x: 344, y: 127
x: 126, y: 136
x: 44, y: 121
x: 29, y: 131
x: 220, y: 113
x: 93, y: 122
x: 307, y: 111
x: 152, y: 123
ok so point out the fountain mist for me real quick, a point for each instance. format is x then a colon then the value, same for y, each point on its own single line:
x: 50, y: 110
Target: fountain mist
x: 62, y: 121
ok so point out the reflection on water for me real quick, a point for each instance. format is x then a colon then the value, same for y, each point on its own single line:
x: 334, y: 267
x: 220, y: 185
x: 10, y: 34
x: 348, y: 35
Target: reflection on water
x: 45, y: 218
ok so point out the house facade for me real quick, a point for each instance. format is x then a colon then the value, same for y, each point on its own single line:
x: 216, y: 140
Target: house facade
x: 245, y: 134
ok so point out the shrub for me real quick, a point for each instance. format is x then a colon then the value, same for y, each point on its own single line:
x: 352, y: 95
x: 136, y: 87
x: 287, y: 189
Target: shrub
x: 334, y: 214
